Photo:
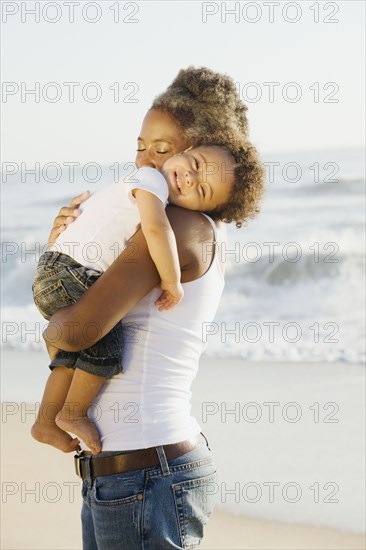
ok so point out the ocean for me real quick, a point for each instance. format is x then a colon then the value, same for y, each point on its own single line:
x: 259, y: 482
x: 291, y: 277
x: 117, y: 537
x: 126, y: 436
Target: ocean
x: 295, y: 279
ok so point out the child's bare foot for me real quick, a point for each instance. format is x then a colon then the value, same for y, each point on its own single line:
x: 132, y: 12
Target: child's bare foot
x: 81, y: 426
x: 53, y: 435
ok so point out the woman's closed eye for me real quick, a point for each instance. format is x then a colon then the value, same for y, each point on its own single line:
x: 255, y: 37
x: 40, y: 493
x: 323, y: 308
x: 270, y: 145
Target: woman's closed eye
x: 158, y: 152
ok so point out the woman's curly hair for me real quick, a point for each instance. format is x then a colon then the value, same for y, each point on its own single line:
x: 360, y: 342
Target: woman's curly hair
x: 248, y: 186
x: 208, y: 110
x: 206, y: 106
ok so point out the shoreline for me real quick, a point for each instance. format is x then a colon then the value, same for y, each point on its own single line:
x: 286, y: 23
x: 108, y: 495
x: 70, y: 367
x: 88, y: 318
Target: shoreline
x: 35, y: 376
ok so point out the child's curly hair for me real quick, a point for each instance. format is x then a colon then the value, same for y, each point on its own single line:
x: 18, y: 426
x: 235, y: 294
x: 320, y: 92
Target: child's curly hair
x: 248, y: 186
x: 205, y: 105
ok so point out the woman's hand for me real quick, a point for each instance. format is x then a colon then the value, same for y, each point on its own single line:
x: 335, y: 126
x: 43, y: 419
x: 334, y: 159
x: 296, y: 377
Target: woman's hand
x: 66, y: 215
x: 107, y: 301
x: 52, y: 350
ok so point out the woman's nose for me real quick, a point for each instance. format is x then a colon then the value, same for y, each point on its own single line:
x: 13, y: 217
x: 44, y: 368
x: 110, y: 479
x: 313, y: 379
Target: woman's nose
x: 146, y: 159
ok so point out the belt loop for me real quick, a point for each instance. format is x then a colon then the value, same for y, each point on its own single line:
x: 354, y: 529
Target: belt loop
x: 54, y: 258
x: 88, y: 479
x: 163, y: 461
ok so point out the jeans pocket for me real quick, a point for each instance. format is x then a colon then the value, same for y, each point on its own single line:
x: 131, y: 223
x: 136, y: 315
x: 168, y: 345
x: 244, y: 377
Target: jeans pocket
x: 83, y: 276
x: 194, y: 503
x: 51, y: 298
x: 119, y: 489
x: 117, y: 504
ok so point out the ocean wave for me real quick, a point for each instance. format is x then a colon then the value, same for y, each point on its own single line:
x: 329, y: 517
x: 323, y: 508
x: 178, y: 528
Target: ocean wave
x: 279, y: 271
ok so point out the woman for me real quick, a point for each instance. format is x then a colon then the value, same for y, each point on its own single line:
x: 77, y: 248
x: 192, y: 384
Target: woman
x: 152, y: 486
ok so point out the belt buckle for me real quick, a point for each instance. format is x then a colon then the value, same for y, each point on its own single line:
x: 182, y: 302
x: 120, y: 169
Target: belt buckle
x: 77, y: 459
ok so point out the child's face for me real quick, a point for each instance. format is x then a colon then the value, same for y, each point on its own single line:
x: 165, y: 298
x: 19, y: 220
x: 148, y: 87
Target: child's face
x: 200, y: 178
x: 159, y: 139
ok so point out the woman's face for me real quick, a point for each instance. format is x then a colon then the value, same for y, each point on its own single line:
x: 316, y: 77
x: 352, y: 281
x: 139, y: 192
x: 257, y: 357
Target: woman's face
x: 160, y: 138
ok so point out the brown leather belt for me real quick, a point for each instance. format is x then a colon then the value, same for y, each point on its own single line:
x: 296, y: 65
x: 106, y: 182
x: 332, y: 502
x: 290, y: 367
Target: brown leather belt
x: 137, y: 460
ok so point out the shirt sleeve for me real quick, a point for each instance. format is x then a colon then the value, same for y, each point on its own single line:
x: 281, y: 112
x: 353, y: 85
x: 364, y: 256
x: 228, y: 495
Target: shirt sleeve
x: 149, y: 179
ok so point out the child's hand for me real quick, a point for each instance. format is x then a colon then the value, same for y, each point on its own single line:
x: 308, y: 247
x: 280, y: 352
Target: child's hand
x: 171, y: 296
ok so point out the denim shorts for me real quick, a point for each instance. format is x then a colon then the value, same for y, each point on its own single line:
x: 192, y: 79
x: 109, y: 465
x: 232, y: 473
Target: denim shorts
x: 158, y: 508
x: 60, y: 281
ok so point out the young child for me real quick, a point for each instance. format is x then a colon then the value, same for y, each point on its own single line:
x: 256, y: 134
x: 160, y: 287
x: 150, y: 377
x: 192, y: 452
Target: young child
x: 199, y: 179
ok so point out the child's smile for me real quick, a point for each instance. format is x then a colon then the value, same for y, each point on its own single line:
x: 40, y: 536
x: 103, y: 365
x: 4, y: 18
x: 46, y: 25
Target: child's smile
x: 200, y: 178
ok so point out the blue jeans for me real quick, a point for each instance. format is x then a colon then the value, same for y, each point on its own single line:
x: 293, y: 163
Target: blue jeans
x: 158, y: 508
x: 59, y: 282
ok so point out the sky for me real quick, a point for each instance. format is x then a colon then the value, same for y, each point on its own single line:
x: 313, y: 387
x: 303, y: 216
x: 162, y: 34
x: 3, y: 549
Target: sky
x: 299, y: 66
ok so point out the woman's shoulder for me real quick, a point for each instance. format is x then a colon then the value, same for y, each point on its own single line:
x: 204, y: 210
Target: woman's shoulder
x: 193, y: 232
x: 191, y: 228
x: 188, y: 221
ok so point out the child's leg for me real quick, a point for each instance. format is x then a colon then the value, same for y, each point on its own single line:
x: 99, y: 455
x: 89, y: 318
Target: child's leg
x: 73, y: 415
x: 44, y: 429
x: 94, y: 366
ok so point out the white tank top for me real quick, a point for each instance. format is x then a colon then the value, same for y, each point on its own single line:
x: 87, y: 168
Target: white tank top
x: 149, y: 404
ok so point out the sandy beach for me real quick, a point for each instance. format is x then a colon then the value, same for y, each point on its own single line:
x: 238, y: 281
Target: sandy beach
x: 39, y: 488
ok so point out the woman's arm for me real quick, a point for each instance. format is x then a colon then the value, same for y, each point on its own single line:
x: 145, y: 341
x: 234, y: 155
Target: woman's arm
x: 131, y: 276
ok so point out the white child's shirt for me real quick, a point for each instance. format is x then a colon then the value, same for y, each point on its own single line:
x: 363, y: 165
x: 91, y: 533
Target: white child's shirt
x: 109, y: 218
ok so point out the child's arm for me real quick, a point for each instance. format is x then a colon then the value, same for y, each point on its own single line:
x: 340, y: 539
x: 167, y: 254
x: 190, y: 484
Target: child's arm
x: 162, y: 247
